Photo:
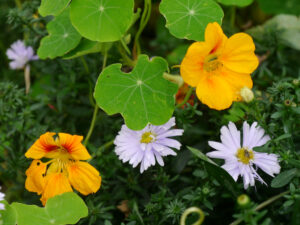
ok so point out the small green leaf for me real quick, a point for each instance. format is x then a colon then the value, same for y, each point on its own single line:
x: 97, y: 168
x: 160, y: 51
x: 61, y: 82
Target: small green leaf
x: 294, y: 162
x: 61, y: 39
x: 31, y: 214
x: 189, y: 18
x: 217, y: 172
x: 8, y: 215
x: 67, y: 208
x: 281, y: 137
x: 240, y: 3
x: 142, y: 96
x: 52, y: 7
x: 102, y: 20
x: 279, y: 6
x: 283, y: 178
x: 87, y: 47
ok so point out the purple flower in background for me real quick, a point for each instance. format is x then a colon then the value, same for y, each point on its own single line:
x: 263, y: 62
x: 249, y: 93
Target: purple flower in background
x: 2, y: 195
x: 240, y: 159
x: 148, y: 145
x: 20, y: 55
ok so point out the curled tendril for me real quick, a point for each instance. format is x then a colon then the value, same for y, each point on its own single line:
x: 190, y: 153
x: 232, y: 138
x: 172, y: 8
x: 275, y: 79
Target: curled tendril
x: 192, y: 210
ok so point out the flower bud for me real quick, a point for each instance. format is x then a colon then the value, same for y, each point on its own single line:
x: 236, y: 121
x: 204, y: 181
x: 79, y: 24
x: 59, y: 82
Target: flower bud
x: 247, y: 94
x: 243, y: 200
x: 296, y: 82
x: 174, y: 79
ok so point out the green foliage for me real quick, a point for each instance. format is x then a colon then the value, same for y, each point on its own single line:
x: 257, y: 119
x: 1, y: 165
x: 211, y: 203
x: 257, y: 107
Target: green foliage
x: 240, y: 3
x: 142, y: 97
x: 67, y: 208
x: 87, y: 47
x: 284, y: 178
x: 189, y: 18
x: 285, y: 27
x: 278, y: 6
x: 53, y: 7
x: 61, y: 39
x: 104, y: 21
x: 61, y: 100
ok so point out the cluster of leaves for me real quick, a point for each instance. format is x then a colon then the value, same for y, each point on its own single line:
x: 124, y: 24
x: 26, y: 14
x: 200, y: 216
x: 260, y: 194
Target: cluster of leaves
x: 61, y: 100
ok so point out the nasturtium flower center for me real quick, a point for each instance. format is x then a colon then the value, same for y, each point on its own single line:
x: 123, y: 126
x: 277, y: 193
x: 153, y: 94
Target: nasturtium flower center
x: 211, y: 63
x: 147, y: 137
x: 244, y: 155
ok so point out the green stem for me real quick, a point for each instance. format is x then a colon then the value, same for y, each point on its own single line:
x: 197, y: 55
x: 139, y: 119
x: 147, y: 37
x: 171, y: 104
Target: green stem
x: 96, y: 108
x: 125, y: 46
x: 143, y: 22
x: 192, y: 210
x: 27, y: 78
x: 186, y: 98
x: 18, y: 3
x: 85, y: 65
x: 262, y: 205
x: 86, y: 140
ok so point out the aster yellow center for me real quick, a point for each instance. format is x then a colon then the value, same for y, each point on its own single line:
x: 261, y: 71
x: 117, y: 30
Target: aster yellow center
x: 211, y: 63
x: 147, y: 137
x: 244, y: 155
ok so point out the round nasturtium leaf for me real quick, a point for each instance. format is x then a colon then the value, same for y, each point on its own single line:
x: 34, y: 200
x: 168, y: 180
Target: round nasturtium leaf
x: 142, y: 96
x: 67, y: 208
x: 240, y: 3
x: 189, y: 18
x: 52, y: 7
x: 62, y: 37
x: 102, y: 20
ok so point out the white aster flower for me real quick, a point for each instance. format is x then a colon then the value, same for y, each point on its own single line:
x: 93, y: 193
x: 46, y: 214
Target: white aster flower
x: 144, y: 146
x: 2, y: 206
x: 20, y: 55
x: 240, y: 159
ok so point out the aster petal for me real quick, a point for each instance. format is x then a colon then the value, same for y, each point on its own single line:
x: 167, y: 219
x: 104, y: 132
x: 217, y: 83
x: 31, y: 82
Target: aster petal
x: 11, y: 54
x: 238, y: 54
x: 159, y: 158
x: 218, y: 146
x: 171, y: 133
x: 267, y: 162
x: 167, y: 151
x: 169, y: 142
x: 42, y: 146
x: 230, y: 140
x: 84, y: 177
x: 218, y: 154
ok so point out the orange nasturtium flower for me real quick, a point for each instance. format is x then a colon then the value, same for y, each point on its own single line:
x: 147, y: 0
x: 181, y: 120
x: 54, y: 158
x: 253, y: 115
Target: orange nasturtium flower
x: 64, y: 170
x: 219, y: 66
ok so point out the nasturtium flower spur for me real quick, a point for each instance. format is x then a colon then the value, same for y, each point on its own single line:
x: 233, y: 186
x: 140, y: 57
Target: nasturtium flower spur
x: 147, y: 146
x: 219, y: 66
x: 64, y: 170
x: 240, y: 158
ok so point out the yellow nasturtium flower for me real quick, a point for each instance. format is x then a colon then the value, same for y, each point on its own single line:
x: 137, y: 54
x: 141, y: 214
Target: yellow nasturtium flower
x: 219, y: 66
x: 64, y: 170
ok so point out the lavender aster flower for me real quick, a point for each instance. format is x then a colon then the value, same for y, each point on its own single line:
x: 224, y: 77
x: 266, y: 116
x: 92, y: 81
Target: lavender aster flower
x: 148, y: 145
x: 2, y: 206
x: 240, y: 159
x: 20, y: 55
